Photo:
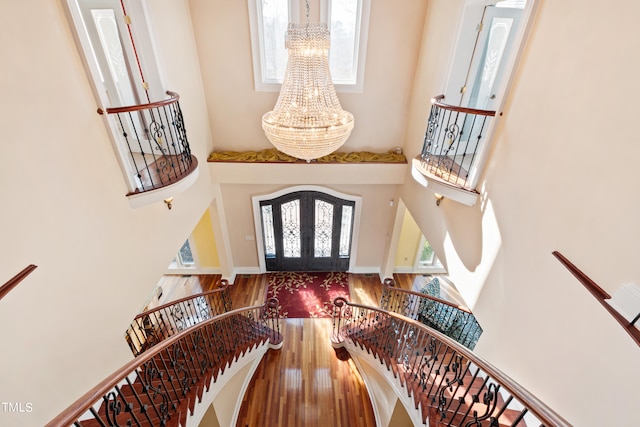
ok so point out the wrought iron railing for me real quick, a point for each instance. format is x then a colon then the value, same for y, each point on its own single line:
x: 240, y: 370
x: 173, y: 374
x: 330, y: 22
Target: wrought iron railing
x: 449, y: 384
x: 456, y: 322
x: 155, y: 139
x: 452, y: 141
x: 151, y: 327
x: 161, y: 386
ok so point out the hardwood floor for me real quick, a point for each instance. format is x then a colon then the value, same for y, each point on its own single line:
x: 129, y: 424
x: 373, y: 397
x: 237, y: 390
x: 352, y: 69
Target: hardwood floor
x: 159, y: 170
x: 304, y: 383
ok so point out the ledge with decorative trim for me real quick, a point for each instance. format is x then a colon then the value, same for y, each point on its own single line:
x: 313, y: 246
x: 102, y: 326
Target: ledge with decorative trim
x: 273, y: 167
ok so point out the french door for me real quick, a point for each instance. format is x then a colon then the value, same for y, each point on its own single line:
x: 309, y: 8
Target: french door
x: 480, y: 67
x: 307, y: 231
x: 487, y: 69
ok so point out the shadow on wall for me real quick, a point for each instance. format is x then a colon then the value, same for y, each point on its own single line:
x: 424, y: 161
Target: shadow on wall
x: 464, y: 227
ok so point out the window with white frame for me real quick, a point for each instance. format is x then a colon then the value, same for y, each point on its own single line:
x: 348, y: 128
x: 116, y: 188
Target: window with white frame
x: 347, y: 20
x: 426, y: 260
x: 184, y: 259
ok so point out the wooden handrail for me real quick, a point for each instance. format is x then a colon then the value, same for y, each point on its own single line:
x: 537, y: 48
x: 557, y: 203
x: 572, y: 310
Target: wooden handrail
x: 592, y: 286
x: 173, y: 98
x: 80, y: 406
x: 436, y: 101
x: 600, y: 294
x: 223, y: 285
x: 534, y: 405
x: 421, y: 295
x: 13, y: 282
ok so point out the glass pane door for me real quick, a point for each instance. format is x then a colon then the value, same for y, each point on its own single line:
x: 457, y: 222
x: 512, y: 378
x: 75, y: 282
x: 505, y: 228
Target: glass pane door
x: 307, y: 231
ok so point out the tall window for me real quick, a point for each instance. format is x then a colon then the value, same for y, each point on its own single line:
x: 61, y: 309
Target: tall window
x: 348, y: 22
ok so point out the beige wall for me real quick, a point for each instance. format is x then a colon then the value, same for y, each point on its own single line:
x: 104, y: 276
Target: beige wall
x: 222, y: 34
x: 561, y: 177
x: 66, y: 210
x: 375, y: 222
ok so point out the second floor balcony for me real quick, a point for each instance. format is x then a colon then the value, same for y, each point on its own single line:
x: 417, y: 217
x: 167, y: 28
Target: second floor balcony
x: 154, y: 151
x: 454, y: 150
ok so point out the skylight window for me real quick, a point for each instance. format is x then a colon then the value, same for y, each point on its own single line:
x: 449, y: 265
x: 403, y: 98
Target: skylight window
x: 347, y: 21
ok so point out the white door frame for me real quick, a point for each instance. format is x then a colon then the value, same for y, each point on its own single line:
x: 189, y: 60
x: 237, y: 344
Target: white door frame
x: 257, y: 217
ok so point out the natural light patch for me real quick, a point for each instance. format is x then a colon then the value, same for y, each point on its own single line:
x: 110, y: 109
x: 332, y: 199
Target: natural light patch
x: 322, y: 379
x: 293, y: 378
x: 311, y: 302
x: 364, y: 298
x: 470, y: 283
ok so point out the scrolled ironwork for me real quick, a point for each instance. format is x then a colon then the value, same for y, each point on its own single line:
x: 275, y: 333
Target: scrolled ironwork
x: 453, y: 385
x: 490, y: 400
x: 151, y: 327
x: 156, y: 139
x: 113, y: 408
x: 454, y: 321
x: 161, y: 382
x: 152, y: 387
x: 453, y: 138
x: 178, y: 316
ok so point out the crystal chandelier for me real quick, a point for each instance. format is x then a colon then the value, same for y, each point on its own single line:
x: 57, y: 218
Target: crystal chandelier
x: 307, y: 121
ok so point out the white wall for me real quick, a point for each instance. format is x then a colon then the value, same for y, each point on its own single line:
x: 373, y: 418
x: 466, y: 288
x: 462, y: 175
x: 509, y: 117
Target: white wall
x: 561, y: 176
x: 65, y: 210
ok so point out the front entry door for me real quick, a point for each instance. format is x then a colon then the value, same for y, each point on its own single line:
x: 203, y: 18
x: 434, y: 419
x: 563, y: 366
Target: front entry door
x: 307, y: 231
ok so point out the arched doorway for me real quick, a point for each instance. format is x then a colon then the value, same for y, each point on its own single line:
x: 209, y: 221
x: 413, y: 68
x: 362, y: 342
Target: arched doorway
x: 306, y: 229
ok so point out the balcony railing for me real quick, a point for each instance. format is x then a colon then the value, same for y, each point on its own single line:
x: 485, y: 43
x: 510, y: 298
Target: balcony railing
x: 452, y: 142
x: 153, y: 143
x: 161, y: 386
x: 152, y: 326
x: 447, y: 383
x: 454, y: 321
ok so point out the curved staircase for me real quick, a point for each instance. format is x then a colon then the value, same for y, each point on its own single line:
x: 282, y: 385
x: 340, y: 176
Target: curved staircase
x: 162, y: 386
x: 185, y: 352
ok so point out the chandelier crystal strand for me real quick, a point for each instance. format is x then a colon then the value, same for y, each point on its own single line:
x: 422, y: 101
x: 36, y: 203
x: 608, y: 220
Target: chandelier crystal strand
x: 307, y: 121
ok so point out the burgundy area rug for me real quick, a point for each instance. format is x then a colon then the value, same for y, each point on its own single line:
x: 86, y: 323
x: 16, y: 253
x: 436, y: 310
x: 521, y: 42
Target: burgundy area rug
x: 305, y: 295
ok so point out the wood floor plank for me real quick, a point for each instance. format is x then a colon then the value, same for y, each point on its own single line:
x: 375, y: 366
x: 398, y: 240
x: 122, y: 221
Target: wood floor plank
x: 305, y: 384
